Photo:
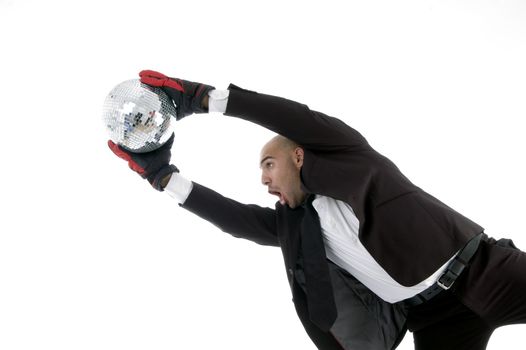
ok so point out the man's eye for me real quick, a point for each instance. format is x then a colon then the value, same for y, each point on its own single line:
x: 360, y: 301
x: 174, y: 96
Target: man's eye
x: 270, y: 165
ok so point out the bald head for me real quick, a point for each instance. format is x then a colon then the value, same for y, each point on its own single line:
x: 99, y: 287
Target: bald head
x: 280, y: 162
x: 281, y: 143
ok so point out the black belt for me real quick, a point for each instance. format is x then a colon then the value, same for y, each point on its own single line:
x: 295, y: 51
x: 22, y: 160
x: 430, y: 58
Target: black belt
x: 446, y: 280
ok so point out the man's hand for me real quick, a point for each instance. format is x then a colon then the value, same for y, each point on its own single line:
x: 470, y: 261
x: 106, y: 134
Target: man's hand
x: 189, y: 97
x: 154, y: 166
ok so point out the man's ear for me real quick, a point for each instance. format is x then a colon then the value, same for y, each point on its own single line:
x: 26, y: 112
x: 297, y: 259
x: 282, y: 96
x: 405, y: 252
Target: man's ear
x: 298, y: 157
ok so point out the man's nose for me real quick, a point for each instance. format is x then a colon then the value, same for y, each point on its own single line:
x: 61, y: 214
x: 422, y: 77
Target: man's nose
x: 265, y: 180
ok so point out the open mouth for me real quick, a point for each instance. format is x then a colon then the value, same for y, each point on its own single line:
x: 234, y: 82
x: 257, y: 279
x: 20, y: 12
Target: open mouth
x: 279, y: 195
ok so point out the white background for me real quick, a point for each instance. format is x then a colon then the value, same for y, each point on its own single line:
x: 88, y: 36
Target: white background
x: 92, y: 258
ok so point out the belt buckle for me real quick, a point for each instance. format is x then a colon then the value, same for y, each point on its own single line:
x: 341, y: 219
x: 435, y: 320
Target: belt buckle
x: 446, y: 280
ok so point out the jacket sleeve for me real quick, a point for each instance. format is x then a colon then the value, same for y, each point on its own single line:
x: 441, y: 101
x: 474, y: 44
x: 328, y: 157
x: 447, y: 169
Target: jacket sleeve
x: 311, y: 129
x: 247, y: 221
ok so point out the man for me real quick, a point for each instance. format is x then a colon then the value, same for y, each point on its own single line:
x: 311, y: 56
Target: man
x: 366, y: 251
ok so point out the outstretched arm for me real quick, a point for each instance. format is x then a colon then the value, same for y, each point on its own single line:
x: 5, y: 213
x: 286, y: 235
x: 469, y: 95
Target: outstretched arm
x: 247, y: 221
x: 251, y: 222
x: 293, y: 120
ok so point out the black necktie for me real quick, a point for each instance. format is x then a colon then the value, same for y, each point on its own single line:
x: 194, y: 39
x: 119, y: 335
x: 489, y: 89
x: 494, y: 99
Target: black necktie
x: 320, y: 297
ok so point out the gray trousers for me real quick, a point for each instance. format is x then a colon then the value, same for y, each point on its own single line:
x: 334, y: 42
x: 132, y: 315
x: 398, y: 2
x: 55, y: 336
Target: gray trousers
x: 490, y: 293
x: 364, y: 322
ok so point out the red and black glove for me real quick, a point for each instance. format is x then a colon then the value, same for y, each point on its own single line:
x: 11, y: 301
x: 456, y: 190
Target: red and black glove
x: 187, y: 95
x: 153, y: 166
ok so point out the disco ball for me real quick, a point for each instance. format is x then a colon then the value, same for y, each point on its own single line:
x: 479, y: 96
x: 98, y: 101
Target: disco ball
x: 138, y: 116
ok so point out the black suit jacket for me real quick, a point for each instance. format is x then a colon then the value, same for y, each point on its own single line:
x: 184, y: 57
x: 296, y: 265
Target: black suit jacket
x: 407, y: 231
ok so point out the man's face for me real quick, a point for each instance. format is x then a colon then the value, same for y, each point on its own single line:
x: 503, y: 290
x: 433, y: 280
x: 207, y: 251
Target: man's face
x: 280, y: 165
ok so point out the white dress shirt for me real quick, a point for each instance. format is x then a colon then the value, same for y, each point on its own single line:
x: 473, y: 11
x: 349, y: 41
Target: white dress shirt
x: 339, y: 226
